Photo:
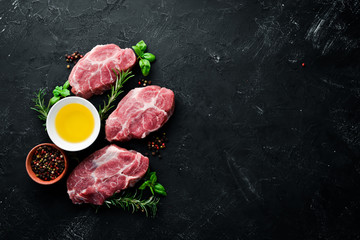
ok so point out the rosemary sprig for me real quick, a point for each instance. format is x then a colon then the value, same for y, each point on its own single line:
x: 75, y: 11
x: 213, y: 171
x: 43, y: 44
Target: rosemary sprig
x: 40, y: 106
x: 134, y: 202
x: 116, y: 90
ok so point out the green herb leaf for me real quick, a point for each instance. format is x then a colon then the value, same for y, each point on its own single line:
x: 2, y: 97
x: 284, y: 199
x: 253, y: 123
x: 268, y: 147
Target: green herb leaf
x: 141, y: 45
x: 149, y: 56
x: 138, y: 51
x: 152, y: 190
x: 133, y: 202
x: 66, y: 85
x: 59, y: 91
x: 145, y: 58
x: 150, y: 181
x: 144, y: 66
x: 153, y: 177
x: 65, y: 93
x: 143, y: 186
x: 39, y: 100
x: 160, y: 189
x: 40, y: 106
x: 53, y: 100
x: 116, y: 90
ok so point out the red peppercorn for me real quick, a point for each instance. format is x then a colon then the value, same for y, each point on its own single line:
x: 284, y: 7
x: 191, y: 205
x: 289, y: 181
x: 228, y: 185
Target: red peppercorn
x: 157, y: 143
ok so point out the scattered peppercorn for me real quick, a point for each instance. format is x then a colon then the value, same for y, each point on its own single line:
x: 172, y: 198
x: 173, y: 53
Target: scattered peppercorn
x: 73, y: 58
x: 303, y: 64
x: 157, y: 143
x: 144, y: 82
x: 47, y: 163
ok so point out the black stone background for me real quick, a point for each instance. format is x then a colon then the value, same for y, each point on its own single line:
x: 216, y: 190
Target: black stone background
x: 260, y: 147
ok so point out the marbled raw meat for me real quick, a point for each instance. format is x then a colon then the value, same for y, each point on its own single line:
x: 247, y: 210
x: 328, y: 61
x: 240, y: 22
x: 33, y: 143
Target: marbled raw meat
x: 93, y: 73
x: 140, y: 112
x: 105, y: 172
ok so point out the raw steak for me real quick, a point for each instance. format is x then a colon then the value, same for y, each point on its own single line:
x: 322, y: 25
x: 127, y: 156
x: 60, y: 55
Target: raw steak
x: 141, y: 111
x: 105, y: 172
x: 93, y: 73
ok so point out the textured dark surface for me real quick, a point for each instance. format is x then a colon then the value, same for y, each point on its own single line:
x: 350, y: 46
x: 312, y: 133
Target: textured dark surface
x: 260, y: 147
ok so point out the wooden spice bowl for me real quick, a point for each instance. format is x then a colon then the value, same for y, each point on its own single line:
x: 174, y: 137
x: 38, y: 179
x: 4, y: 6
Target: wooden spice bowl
x: 31, y: 172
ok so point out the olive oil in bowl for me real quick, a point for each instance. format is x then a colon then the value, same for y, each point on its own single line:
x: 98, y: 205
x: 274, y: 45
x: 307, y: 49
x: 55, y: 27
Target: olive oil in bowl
x: 74, y: 122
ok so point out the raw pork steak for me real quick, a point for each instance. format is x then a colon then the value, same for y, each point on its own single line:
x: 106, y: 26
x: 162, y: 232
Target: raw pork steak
x: 105, y: 172
x: 93, y: 73
x: 141, y: 111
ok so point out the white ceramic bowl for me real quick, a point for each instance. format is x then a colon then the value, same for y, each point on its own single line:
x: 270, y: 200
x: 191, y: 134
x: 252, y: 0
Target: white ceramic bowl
x: 54, y: 136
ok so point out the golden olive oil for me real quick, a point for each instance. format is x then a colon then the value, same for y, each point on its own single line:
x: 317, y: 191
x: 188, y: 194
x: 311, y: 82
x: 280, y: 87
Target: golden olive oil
x: 74, y: 122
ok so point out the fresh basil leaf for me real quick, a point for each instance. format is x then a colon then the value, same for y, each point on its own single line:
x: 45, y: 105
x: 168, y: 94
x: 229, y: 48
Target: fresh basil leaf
x: 141, y: 45
x: 153, y: 177
x: 152, y: 190
x: 160, y: 189
x: 138, y: 51
x: 57, y: 91
x: 66, y: 85
x: 149, y: 56
x: 65, y: 93
x: 161, y: 193
x: 143, y: 186
x: 54, y: 99
x: 144, y: 66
